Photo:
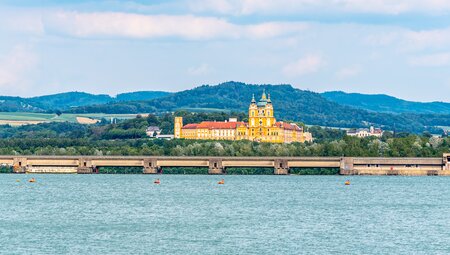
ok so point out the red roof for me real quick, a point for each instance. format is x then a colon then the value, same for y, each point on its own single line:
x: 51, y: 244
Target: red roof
x: 214, y: 125
x: 190, y: 126
x: 288, y: 126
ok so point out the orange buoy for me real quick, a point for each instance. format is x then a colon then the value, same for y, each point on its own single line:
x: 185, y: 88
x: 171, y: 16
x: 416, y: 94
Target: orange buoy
x: 221, y: 181
x: 347, y: 182
x: 157, y: 181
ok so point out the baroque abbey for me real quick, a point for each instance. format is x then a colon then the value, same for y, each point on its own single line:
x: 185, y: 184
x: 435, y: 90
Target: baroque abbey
x: 261, y: 127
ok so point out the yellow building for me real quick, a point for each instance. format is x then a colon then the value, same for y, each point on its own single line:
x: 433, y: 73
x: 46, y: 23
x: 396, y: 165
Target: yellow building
x: 262, y: 127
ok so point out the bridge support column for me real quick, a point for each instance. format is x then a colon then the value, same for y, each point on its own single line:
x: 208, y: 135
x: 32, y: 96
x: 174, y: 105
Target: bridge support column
x: 346, y: 167
x: 446, y: 161
x: 281, y: 167
x: 215, y: 166
x: 85, y: 170
x: 20, y: 165
x: 85, y: 166
x: 151, y: 166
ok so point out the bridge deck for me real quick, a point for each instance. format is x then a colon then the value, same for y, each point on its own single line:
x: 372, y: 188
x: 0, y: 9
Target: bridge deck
x: 347, y: 165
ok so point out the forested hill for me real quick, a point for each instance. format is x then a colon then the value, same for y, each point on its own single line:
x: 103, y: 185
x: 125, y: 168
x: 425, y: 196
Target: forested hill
x: 64, y: 101
x: 385, y: 103
x: 289, y: 103
x: 141, y: 95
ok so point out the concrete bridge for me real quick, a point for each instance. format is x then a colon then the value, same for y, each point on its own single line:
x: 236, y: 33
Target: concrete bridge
x: 218, y: 165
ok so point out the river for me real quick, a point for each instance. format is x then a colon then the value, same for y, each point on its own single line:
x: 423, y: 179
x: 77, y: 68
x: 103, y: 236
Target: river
x: 192, y: 214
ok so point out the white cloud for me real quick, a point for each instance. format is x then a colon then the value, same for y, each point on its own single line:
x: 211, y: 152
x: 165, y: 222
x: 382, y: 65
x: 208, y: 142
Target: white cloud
x: 13, y: 68
x: 305, y: 65
x: 382, y: 39
x: 391, y: 7
x: 427, y: 38
x: 117, y: 24
x: 200, y: 70
x: 433, y: 60
x: 410, y: 40
x: 348, y: 72
x: 23, y: 21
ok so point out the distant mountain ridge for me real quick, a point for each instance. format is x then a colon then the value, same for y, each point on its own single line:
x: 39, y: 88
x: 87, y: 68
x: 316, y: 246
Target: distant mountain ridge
x: 67, y: 100
x: 385, y: 103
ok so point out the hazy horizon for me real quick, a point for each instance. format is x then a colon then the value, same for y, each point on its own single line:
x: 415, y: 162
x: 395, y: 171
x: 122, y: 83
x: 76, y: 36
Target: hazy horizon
x: 400, y: 48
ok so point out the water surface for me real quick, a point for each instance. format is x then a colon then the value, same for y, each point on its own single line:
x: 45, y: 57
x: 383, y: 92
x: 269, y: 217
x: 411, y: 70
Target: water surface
x: 191, y: 214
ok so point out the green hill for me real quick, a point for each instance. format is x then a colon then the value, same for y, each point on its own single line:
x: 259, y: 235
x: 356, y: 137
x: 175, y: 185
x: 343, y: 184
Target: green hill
x: 289, y: 103
x: 385, y: 103
x: 64, y: 101
x: 17, y: 104
x: 141, y: 95
x: 68, y: 100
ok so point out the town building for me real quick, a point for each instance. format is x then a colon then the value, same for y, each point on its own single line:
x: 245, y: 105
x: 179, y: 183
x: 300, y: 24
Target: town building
x: 365, y: 132
x: 261, y: 127
x: 153, y: 131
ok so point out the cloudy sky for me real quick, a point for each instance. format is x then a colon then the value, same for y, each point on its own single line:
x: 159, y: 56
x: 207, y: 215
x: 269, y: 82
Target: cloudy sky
x: 396, y: 47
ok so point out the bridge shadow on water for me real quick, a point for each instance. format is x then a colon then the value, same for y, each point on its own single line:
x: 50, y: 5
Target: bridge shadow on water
x: 228, y: 171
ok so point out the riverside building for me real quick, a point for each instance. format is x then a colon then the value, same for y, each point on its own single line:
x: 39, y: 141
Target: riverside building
x: 261, y: 127
x: 364, y: 132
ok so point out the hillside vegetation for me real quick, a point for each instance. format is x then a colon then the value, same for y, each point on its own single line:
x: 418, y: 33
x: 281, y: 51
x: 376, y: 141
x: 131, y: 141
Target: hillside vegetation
x: 289, y: 103
x: 385, y: 103
x: 129, y: 138
x: 64, y: 101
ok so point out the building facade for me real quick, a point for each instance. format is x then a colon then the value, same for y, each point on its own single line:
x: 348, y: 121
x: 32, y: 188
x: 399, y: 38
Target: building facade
x: 364, y: 132
x: 261, y: 127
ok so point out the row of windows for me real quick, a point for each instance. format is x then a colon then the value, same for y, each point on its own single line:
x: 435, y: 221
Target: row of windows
x: 261, y: 113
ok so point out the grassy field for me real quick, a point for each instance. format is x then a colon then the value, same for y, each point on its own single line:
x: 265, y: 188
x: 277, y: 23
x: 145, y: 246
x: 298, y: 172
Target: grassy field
x: 23, y: 118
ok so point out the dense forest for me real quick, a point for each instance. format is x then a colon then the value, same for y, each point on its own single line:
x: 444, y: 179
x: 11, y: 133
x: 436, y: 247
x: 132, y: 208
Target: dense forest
x: 289, y: 103
x: 64, y: 101
x: 128, y: 138
x: 385, y: 103
x: 409, y: 146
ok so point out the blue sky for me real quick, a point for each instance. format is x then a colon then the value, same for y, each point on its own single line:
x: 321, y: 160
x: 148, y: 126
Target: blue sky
x: 396, y: 47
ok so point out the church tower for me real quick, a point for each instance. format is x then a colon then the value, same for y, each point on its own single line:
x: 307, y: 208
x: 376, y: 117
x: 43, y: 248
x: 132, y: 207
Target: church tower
x: 177, y: 127
x: 261, y: 118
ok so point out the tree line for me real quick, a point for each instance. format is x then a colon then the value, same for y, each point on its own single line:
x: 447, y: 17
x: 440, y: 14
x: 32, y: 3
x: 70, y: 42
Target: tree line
x: 128, y: 138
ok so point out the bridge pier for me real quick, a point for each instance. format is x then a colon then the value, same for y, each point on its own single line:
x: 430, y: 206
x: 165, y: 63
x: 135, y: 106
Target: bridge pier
x: 281, y: 167
x: 19, y: 169
x: 215, y: 166
x: 85, y: 166
x: 20, y: 165
x: 85, y: 170
x: 346, y: 166
x: 446, y: 162
x: 151, y: 166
